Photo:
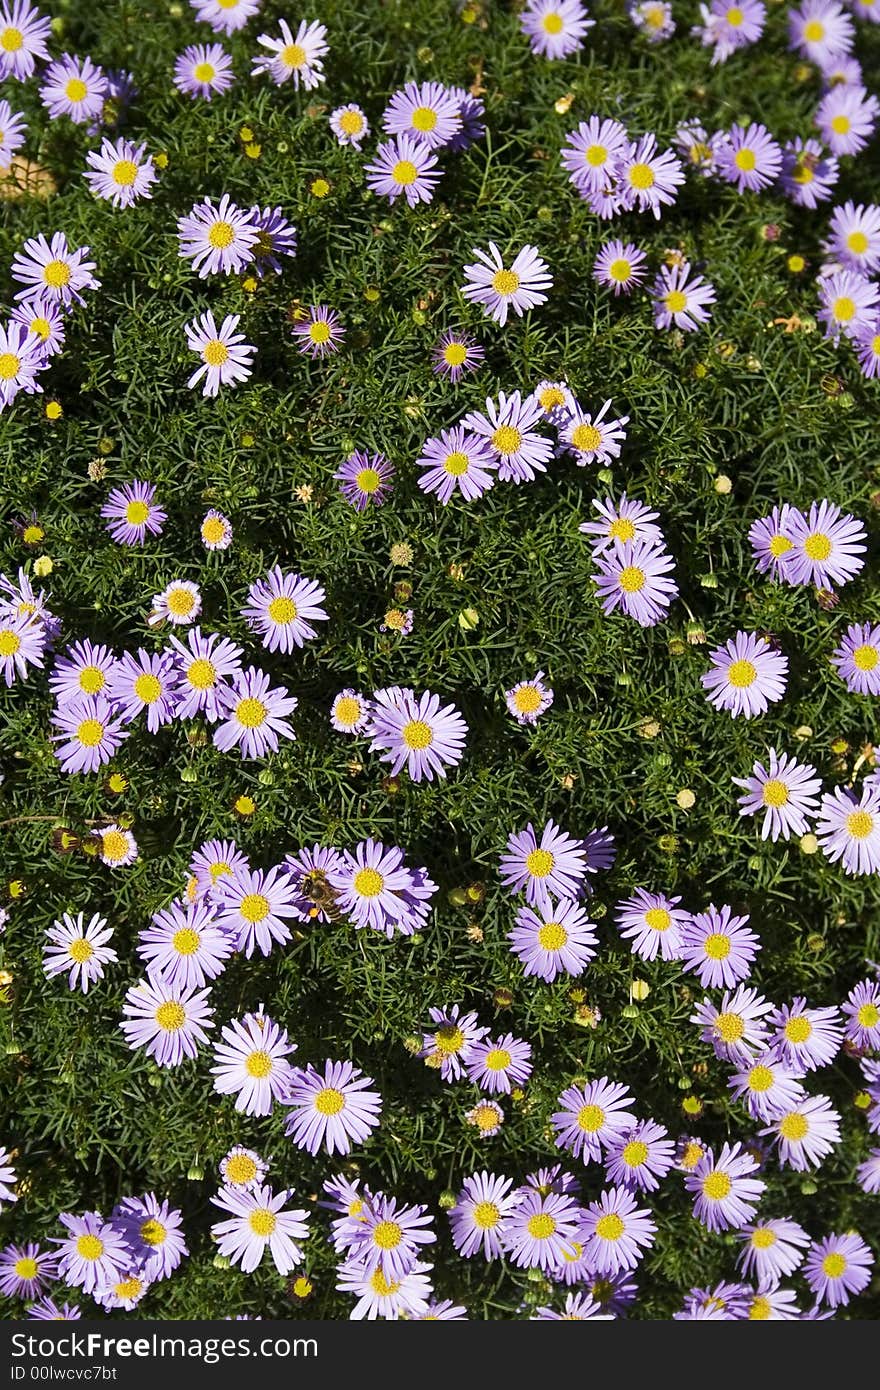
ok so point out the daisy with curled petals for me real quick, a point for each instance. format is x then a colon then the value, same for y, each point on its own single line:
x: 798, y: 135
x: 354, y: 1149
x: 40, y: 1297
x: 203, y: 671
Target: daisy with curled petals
x: 592, y: 438
x: 118, y: 847
x: 653, y: 923
x: 124, y: 1293
x: 403, y: 166
x: 131, y: 513
x: 120, y: 173
x: 787, y: 792
x: 259, y: 1221
x: 725, y: 1195
x: 556, y: 865
x: 634, y: 577
x: 619, y: 266
x: 653, y: 18
x: 540, y: 1228
x: 770, y: 541
x: 648, y: 179
x: 838, y: 1267
x: 681, y: 298
x: 641, y: 1158
x: 22, y: 358
x: 89, y: 734
x: 719, y: 947
x: 320, y: 333
x: 747, y: 675
x: 184, y: 945
x: 141, y: 683
x: 226, y: 358
x: 528, y: 700
x: 215, y: 530
x: 805, y: 1132
x: 862, y: 1011
x: 592, y: 1117
x: 333, y: 1109
x: 203, y: 70
x: 169, y: 1024
x: 218, y: 240
x: 590, y: 153
x: 350, y: 712
x: 553, y: 939
x: 23, y: 35
x: 849, y: 829
x: 43, y: 317
x: 457, y: 461
x: 25, y: 1269
x: 349, y: 125
x: 509, y: 427
x: 500, y: 1064
x: 857, y: 658
x: 738, y: 1028
x: 299, y: 56
x: 426, y: 111
x: 389, y: 1237
x: 251, y: 1063
x: 243, y: 1168
x: 555, y: 28
x: 766, y: 1086
x: 205, y: 663
x: 771, y: 1249
x: 276, y: 237
x: 79, y: 950
x: 53, y: 270
x: 74, y: 87
x: 849, y: 304
x: 253, y: 715
x: 497, y: 289
x: 225, y: 16
x: 827, y: 547
x: 555, y: 401
x: 253, y: 907
x: 805, y: 1038
x: 617, y: 1232
x: 418, y: 734
x: 379, y: 1297
x: 179, y: 603
x: 729, y: 25
x: 479, y: 1217
x: 449, y: 1040
x: 94, y: 1251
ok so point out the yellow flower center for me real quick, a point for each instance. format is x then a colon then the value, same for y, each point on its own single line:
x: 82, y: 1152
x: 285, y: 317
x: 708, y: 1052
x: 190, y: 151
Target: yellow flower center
x: 9, y: 642
x: 329, y: 1101
x: 125, y: 172
x: 729, y: 1027
x: 449, y: 1039
x: 258, y: 1064
x: 551, y: 397
x: 171, y: 1016
x: 454, y: 354
x: 204, y: 72
x: 221, y: 235
x: 505, y: 282
x: 76, y: 90
x: 865, y: 658
x: 868, y: 1016
x: 641, y: 176
x: 417, y: 735
x: 352, y: 122
x: 717, y: 946
x: 367, y: 480
x: 798, y: 1029
x: 802, y: 173
x: 858, y: 243
x: 541, y: 1226
x: 843, y: 310
x: 11, y: 40
x: 741, y: 674
x: 368, y: 883
x: 775, y: 793
x: 760, y: 1079
x: 387, y: 1235
x: 499, y: 1059
x: 675, y: 301
x: 80, y: 950
x: 610, y: 1226
x: 181, y: 602
x: 590, y: 1118
x: 114, y: 845
x: 834, y: 1265
x: 840, y: 125
x: 760, y: 1308
x: 595, y: 155
x: 507, y: 439
x: 294, y: 55
x: 404, y: 172
x: 658, y: 919
x: 486, y: 1215
x: 527, y: 699
x: 91, y: 680
x: 128, y: 1288
x: 745, y: 160
x: 56, y: 274
x: 201, y: 674
x: 716, y: 1186
x: 734, y: 17
x: 9, y: 365
x: 251, y: 713
x: 586, y: 438
x: 424, y: 119
x: 147, y: 688
x: 814, y: 31
x: 136, y: 513
x: 859, y: 824
x: 262, y: 1221
x: 793, y: 1127
x: 456, y: 463
x: 89, y: 1247
x: 90, y: 732
x: 26, y: 1268
x: 186, y: 941
x: 620, y: 270
x: 215, y: 353
x: 552, y: 936
x: 254, y: 907
x: 632, y: 579
x: 539, y: 863
x: 241, y: 1169
x: 153, y: 1232
x: 348, y: 710
x: 319, y: 332
x: 635, y: 1153
x: 762, y: 1239
x: 34, y: 533
x: 213, y: 530
x: 382, y: 1286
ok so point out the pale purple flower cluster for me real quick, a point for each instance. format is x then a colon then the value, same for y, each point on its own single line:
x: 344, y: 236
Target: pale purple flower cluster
x: 631, y: 558
x: 614, y: 173
x: 422, y: 119
x: 52, y: 276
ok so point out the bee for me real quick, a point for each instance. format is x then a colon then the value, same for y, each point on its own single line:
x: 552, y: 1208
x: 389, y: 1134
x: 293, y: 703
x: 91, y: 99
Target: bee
x: 316, y: 890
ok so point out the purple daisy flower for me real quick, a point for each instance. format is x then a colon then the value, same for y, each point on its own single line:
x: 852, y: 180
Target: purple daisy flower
x: 204, y: 665
x: 554, y: 400
x: 770, y: 540
x: 389, y: 1237
x: 556, y: 866
x: 78, y: 949
x: 168, y: 1023
x: 787, y: 792
x: 251, y: 1063
x: 497, y: 289
x: 805, y: 1038
x: 618, y: 1231
x: 528, y: 700
x: 132, y: 514
x: 540, y: 1228
x: 729, y: 25
x: 722, y: 1303
x: 253, y: 715
x: 681, y: 298
x: 854, y: 236
x: 403, y: 166
x: 620, y: 266
x: 500, y: 1064
x: 74, y: 87
x: 24, y: 1269
x: 819, y: 30
x: 333, y: 1110
x: 634, y: 577
x: 90, y: 734
x: 555, y: 28
x: 299, y: 57
x: 653, y: 923
x: 749, y: 158
x: 718, y: 947
x: 47, y: 1310
x: 125, y: 1293
x: 257, y: 1223
x: 592, y: 1117
x: 868, y: 1173
x: 350, y: 712
x: 276, y: 237
x: 847, y: 118
x: 771, y: 1250
x: 808, y: 175
x: 849, y: 829
x: 44, y: 318
x: 553, y: 939
x: 23, y: 35
x: 653, y: 18
x: 215, y: 530
x: 218, y: 240
x: 826, y: 547
x: 85, y: 668
x: 457, y: 461
x: 94, y: 1251
x: 640, y: 1158
x: 12, y: 133
x: 448, y: 1042
x: 226, y: 359
x: 22, y: 357
x: 849, y: 304
x: 766, y: 1086
x: 225, y: 16
x: 154, y: 1231
x: 747, y: 675
x: 419, y: 734
x: 862, y: 1011
x: 282, y: 607
x: 509, y: 427
x: 184, y: 946
x: 365, y: 478
x: 120, y: 173
x: 473, y: 127
x: 8, y: 1176
x: 867, y: 349
x: 838, y: 1267
x: 726, y: 1197
x: 443, y: 1310
x: 455, y: 354
x: 426, y: 111
x: 203, y: 70
x: 590, y: 153
x: 308, y: 870
x: 738, y: 1030
x: 479, y: 1217
x: 380, y: 1298
x: 374, y: 888
x: 142, y: 682
x: 805, y: 1132
x: 242, y: 1168
x: 320, y: 333
x: 697, y: 147
x: 253, y: 906
x: 180, y: 603
x: 579, y: 1307
x: 349, y: 125
x: 648, y: 180
x: 22, y: 644
x: 52, y: 269
x: 592, y: 439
